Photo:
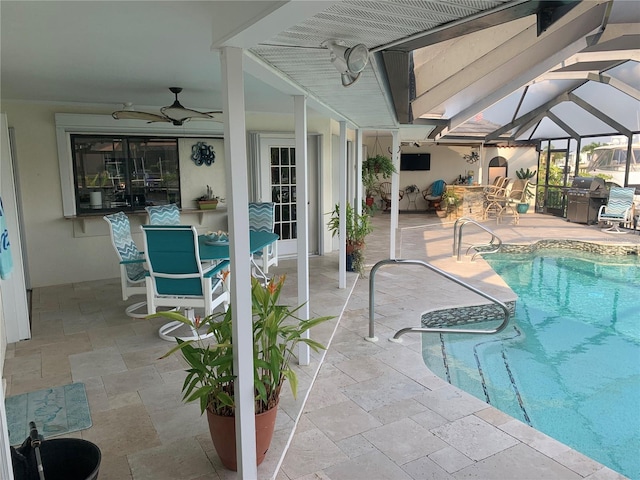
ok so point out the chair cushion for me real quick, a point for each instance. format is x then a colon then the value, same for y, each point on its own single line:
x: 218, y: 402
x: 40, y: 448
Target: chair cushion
x: 164, y: 215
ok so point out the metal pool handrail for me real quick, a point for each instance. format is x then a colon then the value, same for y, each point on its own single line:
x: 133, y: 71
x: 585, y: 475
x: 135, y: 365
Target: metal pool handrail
x: 457, y: 238
x: 398, y: 261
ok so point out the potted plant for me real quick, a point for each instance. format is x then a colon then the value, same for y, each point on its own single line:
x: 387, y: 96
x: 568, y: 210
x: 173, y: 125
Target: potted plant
x: 210, y: 376
x: 358, y: 226
x: 372, y: 169
x: 208, y: 201
x: 451, y: 200
x: 527, y: 174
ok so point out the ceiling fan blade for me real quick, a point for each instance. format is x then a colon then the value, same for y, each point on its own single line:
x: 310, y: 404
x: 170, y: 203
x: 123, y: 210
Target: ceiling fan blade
x: 131, y: 114
x: 182, y: 113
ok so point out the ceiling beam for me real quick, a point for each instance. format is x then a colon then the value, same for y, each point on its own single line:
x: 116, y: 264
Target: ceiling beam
x: 528, y: 118
x: 615, y: 83
x: 473, y: 23
x: 523, y: 61
x: 600, y: 115
x: 554, y: 118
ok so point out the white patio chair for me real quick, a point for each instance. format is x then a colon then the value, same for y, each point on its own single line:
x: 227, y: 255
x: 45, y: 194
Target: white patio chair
x: 618, y: 210
x: 132, y: 262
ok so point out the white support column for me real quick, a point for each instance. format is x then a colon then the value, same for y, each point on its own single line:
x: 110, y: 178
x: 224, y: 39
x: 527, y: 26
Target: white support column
x: 481, y: 164
x: 359, y: 159
x: 235, y: 147
x: 302, y: 218
x: 342, y: 196
x: 395, y: 192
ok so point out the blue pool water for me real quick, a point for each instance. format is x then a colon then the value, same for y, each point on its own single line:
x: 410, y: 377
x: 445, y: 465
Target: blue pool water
x: 569, y: 362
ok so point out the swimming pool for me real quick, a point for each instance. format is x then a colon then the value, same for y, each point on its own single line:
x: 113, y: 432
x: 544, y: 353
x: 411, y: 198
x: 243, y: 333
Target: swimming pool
x: 569, y: 362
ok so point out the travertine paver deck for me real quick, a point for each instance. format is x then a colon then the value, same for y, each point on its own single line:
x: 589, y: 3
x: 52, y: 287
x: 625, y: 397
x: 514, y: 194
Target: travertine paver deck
x: 374, y: 412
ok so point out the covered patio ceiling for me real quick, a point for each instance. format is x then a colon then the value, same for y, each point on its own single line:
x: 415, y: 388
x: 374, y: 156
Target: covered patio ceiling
x: 490, y: 71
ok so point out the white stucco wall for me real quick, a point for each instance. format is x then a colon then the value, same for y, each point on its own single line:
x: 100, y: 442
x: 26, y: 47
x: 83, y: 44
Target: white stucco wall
x: 59, y: 251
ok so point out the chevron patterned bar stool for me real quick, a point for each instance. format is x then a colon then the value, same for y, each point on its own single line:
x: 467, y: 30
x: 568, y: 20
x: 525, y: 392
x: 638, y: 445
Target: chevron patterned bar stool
x: 132, y: 262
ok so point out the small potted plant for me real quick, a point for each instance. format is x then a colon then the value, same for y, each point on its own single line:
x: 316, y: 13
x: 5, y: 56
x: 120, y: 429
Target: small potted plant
x: 358, y: 226
x: 208, y: 201
x: 210, y: 376
x: 527, y: 174
x: 451, y: 200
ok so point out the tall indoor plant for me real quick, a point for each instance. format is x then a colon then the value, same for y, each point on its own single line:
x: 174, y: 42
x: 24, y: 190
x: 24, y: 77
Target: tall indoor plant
x: 210, y: 376
x: 358, y: 226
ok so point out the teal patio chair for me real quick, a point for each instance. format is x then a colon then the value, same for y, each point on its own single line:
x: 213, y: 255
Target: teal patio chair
x: 262, y: 219
x: 132, y: 262
x: 177, y: 278
x: 164, y: 214
x: 618, y: 210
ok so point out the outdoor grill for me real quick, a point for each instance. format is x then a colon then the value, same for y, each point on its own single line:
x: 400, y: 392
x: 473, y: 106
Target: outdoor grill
x: 584, y: 198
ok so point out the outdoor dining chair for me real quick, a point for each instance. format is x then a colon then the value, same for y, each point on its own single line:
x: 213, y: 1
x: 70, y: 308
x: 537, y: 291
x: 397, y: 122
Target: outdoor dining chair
x: 516, y: 195
x: 618, y: 210
x: 163, y: 214
x: 132, y: 261
x: 262, y: 218
x: 177, y: 277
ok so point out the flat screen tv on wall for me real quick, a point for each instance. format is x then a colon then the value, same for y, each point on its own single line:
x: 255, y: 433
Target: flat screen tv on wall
x: 415, y: 161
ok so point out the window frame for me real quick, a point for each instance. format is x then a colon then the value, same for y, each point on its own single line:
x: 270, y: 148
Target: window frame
x: 70, y: 123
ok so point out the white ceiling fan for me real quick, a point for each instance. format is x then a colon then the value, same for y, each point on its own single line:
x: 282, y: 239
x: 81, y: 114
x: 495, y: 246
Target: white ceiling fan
x: 174, y: 113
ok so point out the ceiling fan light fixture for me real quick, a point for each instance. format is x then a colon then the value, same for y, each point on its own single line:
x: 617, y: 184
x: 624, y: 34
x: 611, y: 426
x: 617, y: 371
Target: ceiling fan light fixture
x: 175, y: 113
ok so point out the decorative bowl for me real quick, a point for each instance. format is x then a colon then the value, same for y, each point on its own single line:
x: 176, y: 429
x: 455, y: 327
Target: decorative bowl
x: 216, y: 238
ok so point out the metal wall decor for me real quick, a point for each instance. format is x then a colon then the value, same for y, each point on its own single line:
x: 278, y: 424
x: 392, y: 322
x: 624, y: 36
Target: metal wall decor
x: 202, y: 153
x: 473, y: 158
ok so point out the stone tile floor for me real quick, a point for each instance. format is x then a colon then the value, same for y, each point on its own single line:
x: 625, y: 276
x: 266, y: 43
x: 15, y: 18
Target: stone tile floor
x: 364, y: 410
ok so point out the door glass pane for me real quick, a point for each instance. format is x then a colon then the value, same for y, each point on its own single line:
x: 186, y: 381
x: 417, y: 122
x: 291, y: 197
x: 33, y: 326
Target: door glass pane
x: 283, y: 190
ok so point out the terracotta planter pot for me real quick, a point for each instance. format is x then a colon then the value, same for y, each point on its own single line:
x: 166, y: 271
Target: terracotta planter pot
x: 369, y: 201
x: 223, y: 434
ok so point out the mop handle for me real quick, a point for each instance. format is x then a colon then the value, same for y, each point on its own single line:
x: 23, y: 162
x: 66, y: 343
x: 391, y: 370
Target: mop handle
x: 35, y: 444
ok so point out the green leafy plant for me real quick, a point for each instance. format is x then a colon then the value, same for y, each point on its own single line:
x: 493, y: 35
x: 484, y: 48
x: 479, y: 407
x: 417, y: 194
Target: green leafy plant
x: 276, y: 332
x: 374, y: 168
x: 450, y: 197
x: 358, y: 226
x: 527, y: 174
x: 411, y: 188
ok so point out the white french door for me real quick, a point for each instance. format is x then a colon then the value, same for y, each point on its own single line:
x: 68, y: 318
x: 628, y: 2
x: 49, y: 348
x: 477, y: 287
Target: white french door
x: 278, y: 184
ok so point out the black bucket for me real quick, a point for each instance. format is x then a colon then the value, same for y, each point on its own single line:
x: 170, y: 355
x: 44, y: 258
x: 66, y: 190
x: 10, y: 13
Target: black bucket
x: 62, y: 459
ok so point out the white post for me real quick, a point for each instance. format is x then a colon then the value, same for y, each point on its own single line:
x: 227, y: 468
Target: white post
x: 240, y: 286
x: 395, y: 193
x: 359, y: 160
x: 342, y: 194
x: 302, y: 219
